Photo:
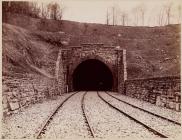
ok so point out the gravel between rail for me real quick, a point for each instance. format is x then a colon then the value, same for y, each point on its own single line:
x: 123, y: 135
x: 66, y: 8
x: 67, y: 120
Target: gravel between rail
x: 109, y: 123
x: 25, y: 123
x: 167, y: 113
x: 169, y: 129
x: 69, y: 121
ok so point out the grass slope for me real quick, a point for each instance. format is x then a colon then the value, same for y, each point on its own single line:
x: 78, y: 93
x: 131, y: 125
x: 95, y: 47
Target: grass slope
x: 151, y: 51
x: 25, y: 51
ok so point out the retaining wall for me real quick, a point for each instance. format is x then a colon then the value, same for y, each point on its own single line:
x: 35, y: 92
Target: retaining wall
x: 162, y: 91
x: 21, y: 91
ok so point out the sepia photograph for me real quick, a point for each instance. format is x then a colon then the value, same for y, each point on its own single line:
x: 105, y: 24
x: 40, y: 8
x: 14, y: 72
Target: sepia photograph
x: 91, y: 69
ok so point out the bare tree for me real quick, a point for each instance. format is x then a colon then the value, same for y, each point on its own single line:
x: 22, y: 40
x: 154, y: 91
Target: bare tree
x: 168, y: 12
x: 136, y: 16
x: 113, y: 15
x: 21, y: 7
x: 55, y: 11
x: 142, y: 9
x: 139, y: 14
x: 161, y: 17
x: 34, y: 9
x: 44, y: 11
x: 107, y: 17
x: 179, y: 13
x: 124, y: 18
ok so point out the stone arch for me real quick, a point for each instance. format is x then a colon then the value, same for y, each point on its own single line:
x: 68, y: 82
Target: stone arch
x: 82, y: 59
x: 114, y: 59
x: 79, y: 61
x: 92, y: 74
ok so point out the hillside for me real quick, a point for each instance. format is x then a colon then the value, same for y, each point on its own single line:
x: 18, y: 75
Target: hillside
x: 27, y: 42
x: 26, y: 52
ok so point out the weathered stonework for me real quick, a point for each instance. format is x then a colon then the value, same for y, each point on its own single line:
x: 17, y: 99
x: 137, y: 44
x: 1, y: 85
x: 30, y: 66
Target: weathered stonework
x: 110, y: 56
x: 20, y: 92
x: 59, y: 73
x: 162, y: 91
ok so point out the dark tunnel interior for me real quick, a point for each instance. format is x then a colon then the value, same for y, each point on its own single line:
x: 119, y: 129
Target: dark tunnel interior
x: 92, y: 74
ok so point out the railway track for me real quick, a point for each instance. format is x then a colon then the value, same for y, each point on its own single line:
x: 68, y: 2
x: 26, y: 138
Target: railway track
x: 47, y: 122
x: 134, y: 119
x: 85, y: 116
x: 44, y: 126
x: 173, y: 121
x: 88, y: 128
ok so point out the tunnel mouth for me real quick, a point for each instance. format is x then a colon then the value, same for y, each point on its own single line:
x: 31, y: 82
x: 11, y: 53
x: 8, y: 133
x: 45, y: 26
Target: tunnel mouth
x: 92, y: 75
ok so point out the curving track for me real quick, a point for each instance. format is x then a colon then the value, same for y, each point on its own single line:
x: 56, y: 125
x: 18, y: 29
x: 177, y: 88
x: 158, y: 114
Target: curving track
x: 170, y: 120
x: 43, y: 132
x: 109, y: 123
x: 99, y: 114
x: 159, y: 125
x: 86, y: 117
x: 44, y: 126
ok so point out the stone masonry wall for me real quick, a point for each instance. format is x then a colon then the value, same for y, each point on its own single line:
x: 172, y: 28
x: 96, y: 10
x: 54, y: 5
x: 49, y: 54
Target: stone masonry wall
x: 122, y: 71
x: 21, y: 91
x: 163, y: 91
x: 77, y: 54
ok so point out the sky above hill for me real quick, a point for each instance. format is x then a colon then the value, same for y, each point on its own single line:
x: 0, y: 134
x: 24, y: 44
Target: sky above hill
x: 95, y: 11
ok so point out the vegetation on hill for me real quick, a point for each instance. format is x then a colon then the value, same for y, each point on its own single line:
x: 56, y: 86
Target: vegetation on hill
x: 25, y: 51
x: 151, y: 51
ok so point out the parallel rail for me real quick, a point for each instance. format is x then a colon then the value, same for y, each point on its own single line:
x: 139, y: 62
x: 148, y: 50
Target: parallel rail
x: 47, y: 122
x: 43, y: 128
x: 86, y: 117
x: 175, y: 122
x: 132, y: 118
x: 89, y: 128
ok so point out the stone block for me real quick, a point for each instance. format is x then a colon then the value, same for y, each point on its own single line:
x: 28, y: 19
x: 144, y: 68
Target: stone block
x: 31, y: 93
x: 158, y: 101
x: 5, y: 110
x: 15, y: 111
x: 5, y: 88
x: 15, y: 93
x: 171, y: 105
x: 14, y: 105
x: 163, y: 104
x: 163, y: 99
x: 23, y: 94
x: 26, y: 90
x: 33, y: 100
x: 177, y: 99
x: 5, y: 103
x: 178, y: 107
x: 23, y: 103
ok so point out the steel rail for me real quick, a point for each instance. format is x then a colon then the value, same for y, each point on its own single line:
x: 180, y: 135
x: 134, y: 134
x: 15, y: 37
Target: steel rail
x: 144, y: 110
x: 43, y: 128
x: 132, y: 118
x: 86, y: 117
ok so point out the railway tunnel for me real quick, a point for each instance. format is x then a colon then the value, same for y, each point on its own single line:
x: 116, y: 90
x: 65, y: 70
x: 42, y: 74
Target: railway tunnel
x: 92, y: 74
